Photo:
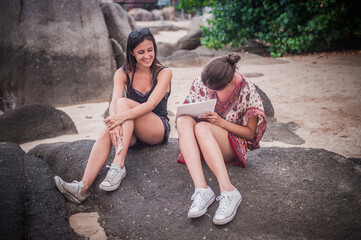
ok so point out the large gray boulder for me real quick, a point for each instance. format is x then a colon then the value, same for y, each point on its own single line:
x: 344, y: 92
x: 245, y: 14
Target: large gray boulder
x: 157, y: 14
x: 56, y: 52
x: 267, y: 105
x: 118, y: 53
x: 192, y: 39
x: 118, y: 21
x: 12, y: 191
x: 165, y: 49
x: 168, y: 13
x: 141, y: 14
x: 288, y: 193
x: 33, y: 122
x: 30, y: 206
x: 182, y: 58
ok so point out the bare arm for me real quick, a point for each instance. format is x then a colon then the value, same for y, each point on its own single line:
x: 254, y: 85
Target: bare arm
x: 119, y: 80
x: 164, y: 78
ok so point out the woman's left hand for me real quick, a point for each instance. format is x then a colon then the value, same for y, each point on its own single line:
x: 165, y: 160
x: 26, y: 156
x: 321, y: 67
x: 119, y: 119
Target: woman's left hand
x: 212, y: 117
x: 114, y: 120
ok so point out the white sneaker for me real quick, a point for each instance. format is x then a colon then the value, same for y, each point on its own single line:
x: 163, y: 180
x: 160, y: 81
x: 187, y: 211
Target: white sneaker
x: 113, y: 178
x: 228, y: 205
x: 72, y: 191
x: 202, y: 199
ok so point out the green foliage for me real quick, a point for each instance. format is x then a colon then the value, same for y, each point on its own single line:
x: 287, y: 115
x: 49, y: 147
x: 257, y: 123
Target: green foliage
x: 189, y: 4
x: 289, y: 26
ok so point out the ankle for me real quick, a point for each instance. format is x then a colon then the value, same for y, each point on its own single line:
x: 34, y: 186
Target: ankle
x: 203, y: 186
x: 85, y: 186
x: 84, y: 193
x: 119, y: 164
x: 227, y: 188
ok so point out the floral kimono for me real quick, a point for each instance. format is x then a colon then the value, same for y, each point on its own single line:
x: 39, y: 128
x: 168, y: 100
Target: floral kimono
x: 242, y: 104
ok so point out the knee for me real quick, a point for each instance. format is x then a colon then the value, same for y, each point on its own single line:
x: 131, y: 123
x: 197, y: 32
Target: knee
x: 123, y: 103
x: 105, y: 133
x: 183, y: 123
x: 202, y: 130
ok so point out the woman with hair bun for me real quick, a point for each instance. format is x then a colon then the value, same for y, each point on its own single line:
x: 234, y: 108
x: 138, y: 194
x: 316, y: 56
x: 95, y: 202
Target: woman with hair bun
x: 222, y: 136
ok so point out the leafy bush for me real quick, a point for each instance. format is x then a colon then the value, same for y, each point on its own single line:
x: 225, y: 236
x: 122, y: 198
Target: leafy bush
x: 192, y: 6
x: 189, y: 4
x: 289, y: 26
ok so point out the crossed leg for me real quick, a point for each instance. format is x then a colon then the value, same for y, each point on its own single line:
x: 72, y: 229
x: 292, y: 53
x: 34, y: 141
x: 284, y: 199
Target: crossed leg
x: 148, y: 128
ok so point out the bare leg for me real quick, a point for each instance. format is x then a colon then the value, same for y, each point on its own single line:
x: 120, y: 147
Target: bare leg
x: 190, y: 150
x: 148, y: 128
x: 128, y: 128
x: 98, y: 156
x: 216, y: 148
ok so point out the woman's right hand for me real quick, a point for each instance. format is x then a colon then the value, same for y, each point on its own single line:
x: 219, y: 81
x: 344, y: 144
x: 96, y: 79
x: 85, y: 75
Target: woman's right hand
x: 116, y: 135
x: 115, y: 120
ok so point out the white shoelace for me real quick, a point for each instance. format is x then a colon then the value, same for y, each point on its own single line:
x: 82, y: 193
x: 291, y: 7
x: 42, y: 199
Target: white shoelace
x: 112, y: 173
x: 74, y: 185
x: 74, y: 188
x: 197, y: 199
x: 224, y: 204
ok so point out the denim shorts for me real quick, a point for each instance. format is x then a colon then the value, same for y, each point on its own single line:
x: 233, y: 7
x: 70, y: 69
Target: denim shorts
x: 166, y: 125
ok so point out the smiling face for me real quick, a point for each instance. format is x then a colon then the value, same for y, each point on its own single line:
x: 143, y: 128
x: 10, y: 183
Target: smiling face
x: 144, y: 53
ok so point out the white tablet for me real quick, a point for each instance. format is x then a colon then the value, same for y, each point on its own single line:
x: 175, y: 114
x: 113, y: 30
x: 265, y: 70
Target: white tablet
x: 196, y: 109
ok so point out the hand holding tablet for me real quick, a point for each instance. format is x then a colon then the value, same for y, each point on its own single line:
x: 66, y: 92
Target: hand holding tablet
x: 196, y: 109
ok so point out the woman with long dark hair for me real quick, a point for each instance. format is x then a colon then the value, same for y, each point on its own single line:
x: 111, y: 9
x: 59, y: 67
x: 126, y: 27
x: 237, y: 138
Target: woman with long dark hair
x: 138, y: 118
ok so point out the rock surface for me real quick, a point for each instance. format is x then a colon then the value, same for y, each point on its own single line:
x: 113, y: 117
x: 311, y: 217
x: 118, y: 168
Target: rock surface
x: 156, y: 27
x: 46, y: 213
x: 118, y: 53
x: 140, y: 14
x: 118, y: 21
x: 53, y: 52
x: 165, y: 49
x: 30, y: 206
x: 282, y: 132
x: 182, y: 58
x: 12, y: 192
x: 33, y: 122
x: 168, y: 13
x: 192, y: 39
x: 157, y: 14
x: 267, y: 105
x: 288, y: 193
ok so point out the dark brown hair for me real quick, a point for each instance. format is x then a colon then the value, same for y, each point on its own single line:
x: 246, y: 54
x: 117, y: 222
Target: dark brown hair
x: 131, y: 62
x: 219, y: 72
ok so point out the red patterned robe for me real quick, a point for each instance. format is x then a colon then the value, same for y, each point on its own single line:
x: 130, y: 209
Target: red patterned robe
x: 242, y: 104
